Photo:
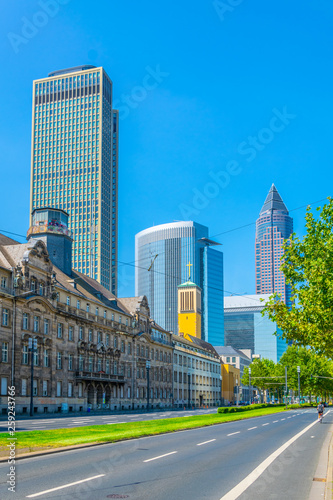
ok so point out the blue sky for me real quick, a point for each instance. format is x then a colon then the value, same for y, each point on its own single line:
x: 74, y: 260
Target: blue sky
x: 223, y: 74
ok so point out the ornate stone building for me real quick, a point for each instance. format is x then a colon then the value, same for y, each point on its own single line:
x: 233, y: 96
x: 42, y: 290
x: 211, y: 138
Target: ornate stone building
x: 92, y: 348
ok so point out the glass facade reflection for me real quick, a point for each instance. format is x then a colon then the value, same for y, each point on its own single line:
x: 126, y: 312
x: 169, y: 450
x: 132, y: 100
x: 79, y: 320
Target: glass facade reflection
x: 246, y: 328
x: 162, y: 255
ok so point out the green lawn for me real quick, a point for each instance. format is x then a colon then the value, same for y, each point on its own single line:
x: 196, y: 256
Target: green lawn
x: 37, y: 440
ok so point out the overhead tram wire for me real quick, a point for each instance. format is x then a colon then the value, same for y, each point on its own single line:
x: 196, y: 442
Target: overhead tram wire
x: 132, y: 264
x: 231, y: 230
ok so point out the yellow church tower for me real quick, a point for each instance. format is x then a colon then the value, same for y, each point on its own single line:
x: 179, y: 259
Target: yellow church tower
x: 189, y: 308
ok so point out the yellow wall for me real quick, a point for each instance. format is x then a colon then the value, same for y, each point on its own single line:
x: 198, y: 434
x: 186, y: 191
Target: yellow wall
x: 229, y: 376
x: 190, y: 323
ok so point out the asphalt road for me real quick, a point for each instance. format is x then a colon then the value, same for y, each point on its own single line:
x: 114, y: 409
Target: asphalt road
x: 205, y: 463
x: 60, y: 422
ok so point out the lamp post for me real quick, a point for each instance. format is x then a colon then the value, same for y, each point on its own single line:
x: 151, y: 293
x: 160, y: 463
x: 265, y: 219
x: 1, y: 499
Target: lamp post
x: 148, y: 368
x: 33, y: 348
x: 286, y: 381
x: 189, y: 390
x: 250, y: 388
x: 299, y: 384
x: 236, y: 391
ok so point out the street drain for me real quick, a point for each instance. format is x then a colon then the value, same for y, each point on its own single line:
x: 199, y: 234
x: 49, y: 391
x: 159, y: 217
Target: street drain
x: 320, y: 479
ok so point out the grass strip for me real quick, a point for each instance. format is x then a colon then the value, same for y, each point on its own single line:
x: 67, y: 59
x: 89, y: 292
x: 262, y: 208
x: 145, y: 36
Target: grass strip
x: 56, y: 438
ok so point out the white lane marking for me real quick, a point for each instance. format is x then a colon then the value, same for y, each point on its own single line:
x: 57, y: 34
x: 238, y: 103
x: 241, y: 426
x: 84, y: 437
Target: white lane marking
x: 205, y: 442
x: 251, y: 428
x: 253, y: 476
x: 312, y: 437
x: 282, y: 419
x: 161, y: 456
x: 64, y: 486
x: 290, y: 417
x: 78, y: 422
x: 293, y: 416
x: 233, y: 433
x: 274, y: 421
x: 265, y: 424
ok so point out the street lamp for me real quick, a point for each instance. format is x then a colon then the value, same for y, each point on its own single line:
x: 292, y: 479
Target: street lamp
x: 33, y: 348
x: 148, y: 368
x: 299, y: 384
x: 236, y: 391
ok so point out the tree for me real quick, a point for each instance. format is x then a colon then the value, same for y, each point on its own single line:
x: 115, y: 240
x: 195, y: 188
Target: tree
x: 315, y: 370
x: 264, y: 375
x: 308, y: 268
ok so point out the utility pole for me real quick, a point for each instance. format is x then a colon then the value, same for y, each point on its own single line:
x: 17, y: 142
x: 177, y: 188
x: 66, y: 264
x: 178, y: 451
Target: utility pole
x: 250, y: 388
x: 299, y: 384
x: 33, y: 348
x: 148, y: 368
x: 286, y: 379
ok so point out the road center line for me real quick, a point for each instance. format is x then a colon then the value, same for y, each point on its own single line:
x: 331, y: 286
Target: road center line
x: 253, y: 476
x: 233, y: 433
x: 161, y: 456
x: 251, y: 428
x: 205, y: 442
x: 274, y: 421
x: 282, y: 419
x: 265, y: 424
x: 64, y: 486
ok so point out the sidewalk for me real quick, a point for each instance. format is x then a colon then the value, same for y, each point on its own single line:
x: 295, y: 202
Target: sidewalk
x: 322, y: 480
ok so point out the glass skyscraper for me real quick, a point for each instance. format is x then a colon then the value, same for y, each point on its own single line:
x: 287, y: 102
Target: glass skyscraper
x: 74, y: 163
x: 167, y: 256
x: 246, y: 328
x: 273, y: 227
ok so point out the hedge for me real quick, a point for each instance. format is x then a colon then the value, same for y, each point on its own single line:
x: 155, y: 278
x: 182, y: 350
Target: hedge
x: 235, y: 409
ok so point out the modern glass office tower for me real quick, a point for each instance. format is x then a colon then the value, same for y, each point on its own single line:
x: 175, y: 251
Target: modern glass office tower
x: 74, y: 163
x: 246, y: 328
x: 170, y: 254
x: 273, y: 227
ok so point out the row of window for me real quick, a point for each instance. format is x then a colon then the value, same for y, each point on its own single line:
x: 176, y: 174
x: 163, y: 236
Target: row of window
x: 157, y: 374
x: 182, y: 378
x: 182, y: 360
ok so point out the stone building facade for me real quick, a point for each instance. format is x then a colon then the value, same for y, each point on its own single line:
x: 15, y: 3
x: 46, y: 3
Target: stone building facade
x: 92, y: 347
x: 197, y: 373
